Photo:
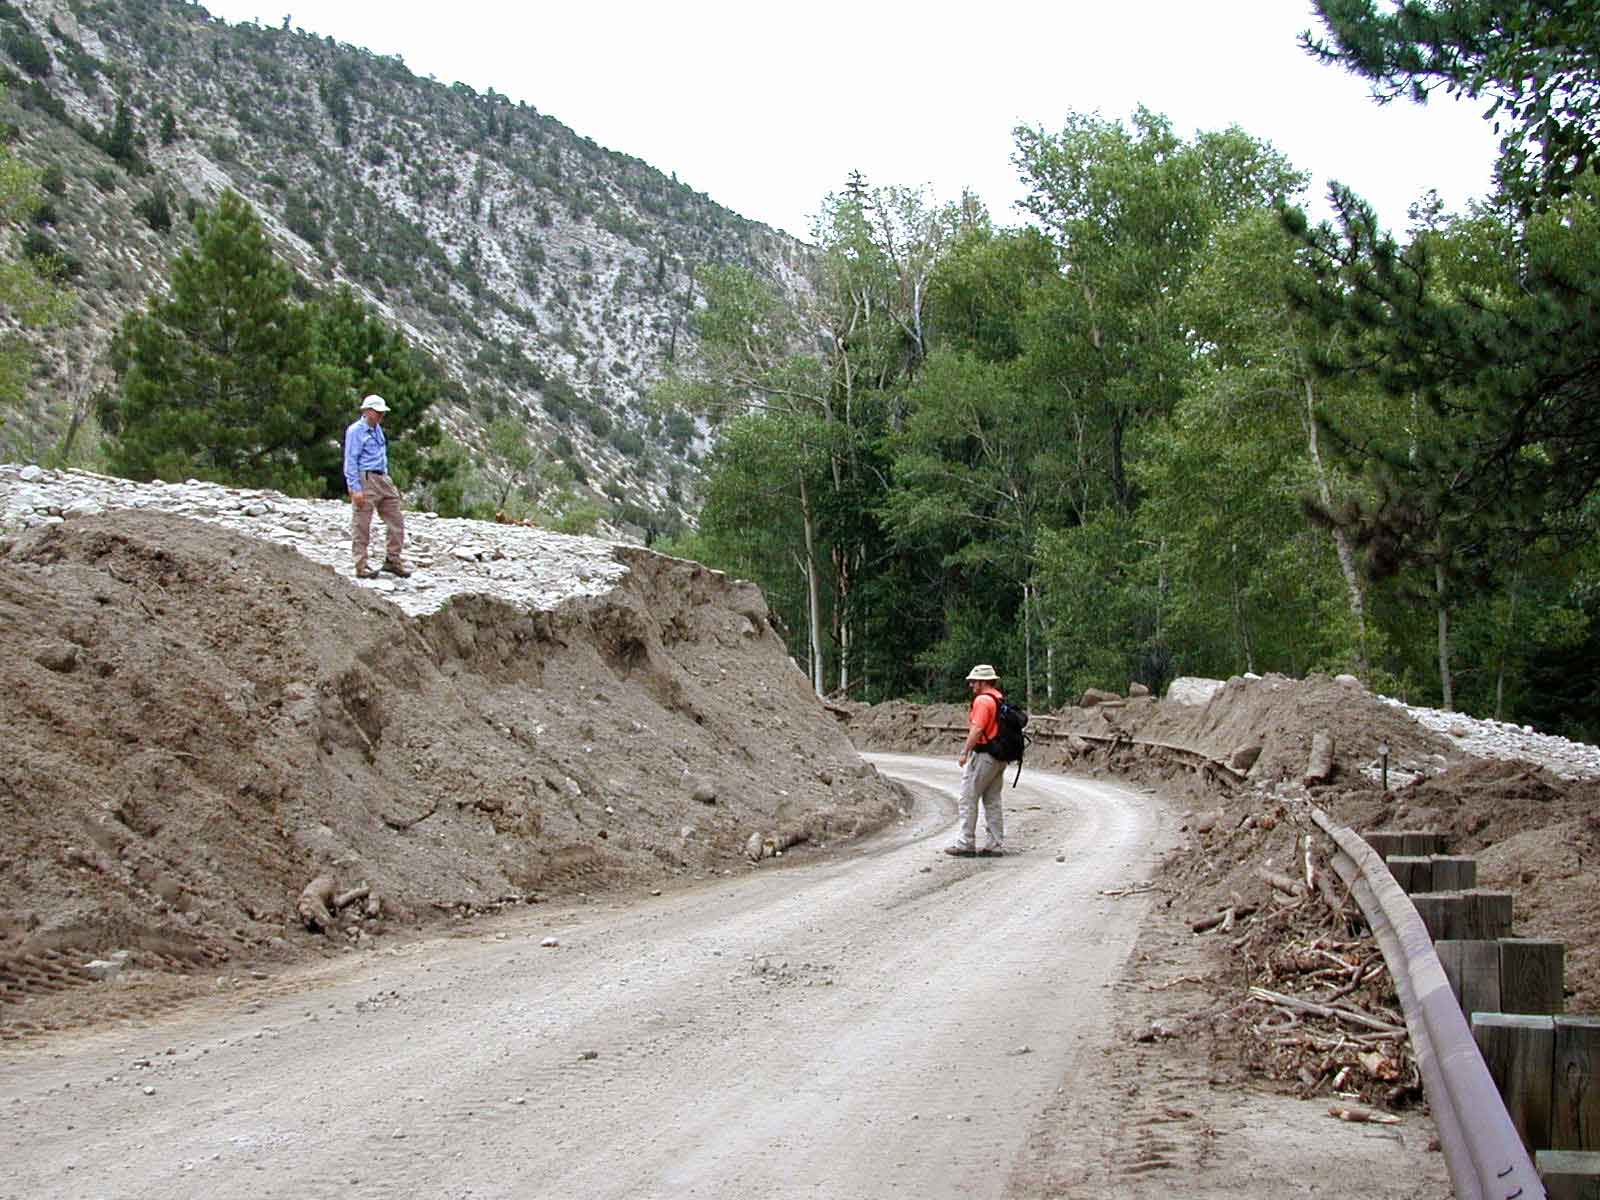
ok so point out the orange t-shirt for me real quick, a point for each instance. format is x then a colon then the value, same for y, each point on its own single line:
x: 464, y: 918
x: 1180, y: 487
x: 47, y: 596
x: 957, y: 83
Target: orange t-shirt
x: 985, y: 715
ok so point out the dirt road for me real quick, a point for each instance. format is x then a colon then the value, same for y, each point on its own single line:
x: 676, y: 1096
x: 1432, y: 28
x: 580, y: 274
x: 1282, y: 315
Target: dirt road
x: 884, y: 1020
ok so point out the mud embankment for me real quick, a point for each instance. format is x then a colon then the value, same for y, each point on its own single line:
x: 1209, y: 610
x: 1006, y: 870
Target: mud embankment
x: 197, y: 724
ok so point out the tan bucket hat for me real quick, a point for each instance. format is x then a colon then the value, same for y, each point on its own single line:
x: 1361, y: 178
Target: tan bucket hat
x: 375, y: 403
x: 982, y: 671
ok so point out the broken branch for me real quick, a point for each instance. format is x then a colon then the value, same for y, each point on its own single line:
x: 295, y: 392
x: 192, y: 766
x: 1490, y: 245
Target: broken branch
x: 1225, y: 918
x: 1323, y: 1010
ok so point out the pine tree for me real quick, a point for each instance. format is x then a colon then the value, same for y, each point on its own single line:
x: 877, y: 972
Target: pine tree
x: 1534, y: 60
x: 120, y: 144
x: 1509, y: 364
x: 219, y: 379
x: 357, y: 354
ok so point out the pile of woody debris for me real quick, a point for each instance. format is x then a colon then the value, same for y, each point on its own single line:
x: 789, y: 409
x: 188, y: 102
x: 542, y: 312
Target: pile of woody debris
x: 1314, y: 1005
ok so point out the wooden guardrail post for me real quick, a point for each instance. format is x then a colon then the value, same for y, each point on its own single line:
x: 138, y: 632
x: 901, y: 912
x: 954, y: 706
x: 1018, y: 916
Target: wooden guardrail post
x: 1488, y: 913
x: 1575, y: 1102
x: 1413, y: 872
x: 1569, y: 1174
x: 1519, y: 1051
x: 1531, y: 975
x: 1473, y: 968
x: 1454, y: 873
x: 1444, y: 914
x: 1421, y: 842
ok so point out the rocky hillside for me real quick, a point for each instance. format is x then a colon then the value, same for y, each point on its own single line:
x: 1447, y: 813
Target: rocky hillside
x: 550, y: 278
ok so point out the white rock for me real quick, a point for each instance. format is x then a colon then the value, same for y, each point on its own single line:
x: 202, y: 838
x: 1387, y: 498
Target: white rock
x: 1188, y: 689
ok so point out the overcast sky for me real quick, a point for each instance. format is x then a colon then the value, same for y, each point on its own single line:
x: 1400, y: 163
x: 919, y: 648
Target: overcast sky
x: 767, y: 108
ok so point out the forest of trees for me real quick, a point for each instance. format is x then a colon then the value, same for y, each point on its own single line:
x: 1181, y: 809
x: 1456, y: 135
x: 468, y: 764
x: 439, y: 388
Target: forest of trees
x: 229, y: 377
x: 1169, y: 428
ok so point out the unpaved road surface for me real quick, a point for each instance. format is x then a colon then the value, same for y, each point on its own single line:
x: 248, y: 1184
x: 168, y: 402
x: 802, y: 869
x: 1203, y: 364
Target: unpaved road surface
x: 882, y: 1020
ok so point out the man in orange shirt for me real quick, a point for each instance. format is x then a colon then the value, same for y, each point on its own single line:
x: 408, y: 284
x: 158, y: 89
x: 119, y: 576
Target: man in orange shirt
x: 982, y: 774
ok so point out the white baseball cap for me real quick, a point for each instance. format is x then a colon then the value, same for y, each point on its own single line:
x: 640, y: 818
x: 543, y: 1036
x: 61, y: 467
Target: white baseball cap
x: 375, y: 403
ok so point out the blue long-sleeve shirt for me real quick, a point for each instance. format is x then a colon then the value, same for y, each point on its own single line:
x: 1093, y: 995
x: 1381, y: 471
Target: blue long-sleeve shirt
x: 365, y: 449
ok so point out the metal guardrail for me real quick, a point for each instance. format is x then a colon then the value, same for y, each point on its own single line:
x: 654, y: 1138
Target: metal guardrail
x: 1483, y: 1153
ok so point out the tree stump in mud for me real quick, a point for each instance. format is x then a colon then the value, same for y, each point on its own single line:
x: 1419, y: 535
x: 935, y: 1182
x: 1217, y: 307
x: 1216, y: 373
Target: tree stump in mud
x: 1319, y: 769
x: 315, y: 905
x: 321, y: 902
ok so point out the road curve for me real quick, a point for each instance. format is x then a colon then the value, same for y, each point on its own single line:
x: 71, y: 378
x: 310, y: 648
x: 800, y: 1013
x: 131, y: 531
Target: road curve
x: 877, y: 1021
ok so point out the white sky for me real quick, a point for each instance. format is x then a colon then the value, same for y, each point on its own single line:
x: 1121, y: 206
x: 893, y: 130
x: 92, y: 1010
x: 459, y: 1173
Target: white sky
x: 767, y: 107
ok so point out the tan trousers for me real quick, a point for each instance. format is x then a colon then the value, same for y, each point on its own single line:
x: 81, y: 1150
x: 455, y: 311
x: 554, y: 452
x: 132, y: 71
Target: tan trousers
x: 981, y: 780
x: 383, y: 496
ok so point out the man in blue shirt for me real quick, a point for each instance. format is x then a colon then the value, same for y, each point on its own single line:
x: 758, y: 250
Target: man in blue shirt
x: 366, y: 475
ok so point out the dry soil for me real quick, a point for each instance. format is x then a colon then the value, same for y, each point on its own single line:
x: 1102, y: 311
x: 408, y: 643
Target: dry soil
x: 198, y: 724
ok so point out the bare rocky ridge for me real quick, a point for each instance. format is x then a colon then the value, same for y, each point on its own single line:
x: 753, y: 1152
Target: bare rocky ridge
x: 200, y: 723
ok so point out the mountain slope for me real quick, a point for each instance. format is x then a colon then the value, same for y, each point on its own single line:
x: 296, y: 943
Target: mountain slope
x: 549, y: 278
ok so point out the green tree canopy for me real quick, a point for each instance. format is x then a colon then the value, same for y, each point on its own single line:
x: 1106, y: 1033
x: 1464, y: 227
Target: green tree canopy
x: 357, y: 354
x: 219, y: 378
x: 1535, y: 61
x: 27, y: 292
x: 228, y: 378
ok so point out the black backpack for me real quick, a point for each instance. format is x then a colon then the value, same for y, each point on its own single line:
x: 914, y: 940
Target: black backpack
x: 1010, y: 739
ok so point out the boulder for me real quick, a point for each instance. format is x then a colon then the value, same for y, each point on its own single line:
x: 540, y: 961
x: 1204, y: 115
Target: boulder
x: 1188, y: 689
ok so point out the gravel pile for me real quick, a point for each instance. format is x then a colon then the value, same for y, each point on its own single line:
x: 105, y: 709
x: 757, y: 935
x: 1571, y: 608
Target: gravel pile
x: 519, y: 565
x: 1486, y: 738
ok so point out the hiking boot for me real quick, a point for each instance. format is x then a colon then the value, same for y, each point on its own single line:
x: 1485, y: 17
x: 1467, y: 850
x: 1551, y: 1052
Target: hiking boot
x: 365, y: 572
x: 991, y: 852
x: 395, y: 568
x: 958, y: 852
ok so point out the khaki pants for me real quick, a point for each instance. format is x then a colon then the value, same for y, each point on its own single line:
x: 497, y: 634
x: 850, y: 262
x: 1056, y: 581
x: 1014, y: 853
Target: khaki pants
x: 981, y: 779
x: 383, y: 497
